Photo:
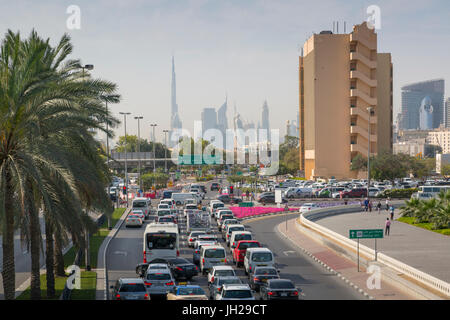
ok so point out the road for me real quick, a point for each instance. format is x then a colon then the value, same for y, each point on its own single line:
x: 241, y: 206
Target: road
x: 125, y: 252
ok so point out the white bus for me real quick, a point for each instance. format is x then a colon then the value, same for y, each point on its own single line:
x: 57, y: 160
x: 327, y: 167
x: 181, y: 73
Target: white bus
x: 161, y: 240
x: 428, y: 192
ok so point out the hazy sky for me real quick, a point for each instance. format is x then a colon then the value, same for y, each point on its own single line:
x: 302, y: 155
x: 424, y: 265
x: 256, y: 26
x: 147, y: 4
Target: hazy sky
x: 246, y: 48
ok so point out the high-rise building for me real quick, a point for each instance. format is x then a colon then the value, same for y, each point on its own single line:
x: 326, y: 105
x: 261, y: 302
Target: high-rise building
x: 265, y: 116
x: 175, y: 121
x: 209, y: 119
x: 222, y: 120
x: 413, y: 96
x: 340, y: 77
x: 447, y: 113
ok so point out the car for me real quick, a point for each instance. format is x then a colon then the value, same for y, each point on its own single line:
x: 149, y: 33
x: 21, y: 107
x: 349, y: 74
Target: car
x: 133, y: 221
x: 258, y: 257
x: 214, y: 186
x: 197, y: 247
x: 260, y: 275
x: 182, y: 268
x: 306, y: 207
x: 166, y: 194
x: 237, y: 236
x: 220, y: 271
x: 354, y: 193
x: 137, y: 213
x: 130, y: 289
x: 216, y: 285
x: 222, y: 211
x: 207, y: 237
x: 235, y: 292
x: 158, y: 281
x: 241, y: 248
x: 223, y: 225
x: 166, y: 219
x: 223, y: 218
x: 210, y: 256
x: 187, y: 292
x: 279, y: 289
x: 230, y: 229
x: 193, y: 237
x: 156, y: 264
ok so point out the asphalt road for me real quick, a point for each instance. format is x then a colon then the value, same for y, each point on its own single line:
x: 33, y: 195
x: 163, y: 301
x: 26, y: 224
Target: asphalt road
x: 125, y: 252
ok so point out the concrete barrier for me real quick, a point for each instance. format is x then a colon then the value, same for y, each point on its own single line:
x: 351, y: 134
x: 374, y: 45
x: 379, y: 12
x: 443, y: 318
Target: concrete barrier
x: 424, y: 279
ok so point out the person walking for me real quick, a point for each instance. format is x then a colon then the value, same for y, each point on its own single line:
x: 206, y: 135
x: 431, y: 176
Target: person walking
x: 379, y: 206
x: 387, y: 204
x: 392, y: 212
x: 387, y: 226
x: 370, y: 205
x: 366, y: 204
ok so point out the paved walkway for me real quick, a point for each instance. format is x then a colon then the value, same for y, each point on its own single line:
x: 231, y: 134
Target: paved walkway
x: 419, y: 248
x: 345, y: 267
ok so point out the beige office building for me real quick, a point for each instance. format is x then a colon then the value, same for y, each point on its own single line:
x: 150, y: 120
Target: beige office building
x: 341, y: 76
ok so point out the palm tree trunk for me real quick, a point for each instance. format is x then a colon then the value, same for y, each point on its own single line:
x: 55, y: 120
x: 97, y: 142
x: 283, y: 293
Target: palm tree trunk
x: 49, y: 261
x: 8, y: 272
x: 59, y: 257
x: 35, y: 239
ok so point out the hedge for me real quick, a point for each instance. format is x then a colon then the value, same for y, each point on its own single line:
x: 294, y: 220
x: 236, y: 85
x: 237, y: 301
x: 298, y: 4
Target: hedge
x: 398, y: 193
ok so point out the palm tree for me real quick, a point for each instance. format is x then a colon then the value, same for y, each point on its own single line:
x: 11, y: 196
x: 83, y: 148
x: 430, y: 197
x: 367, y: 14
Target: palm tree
x: 42, y: 101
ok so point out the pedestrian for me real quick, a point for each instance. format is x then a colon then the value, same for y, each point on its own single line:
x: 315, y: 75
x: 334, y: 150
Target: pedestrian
x: 388, y: 226
x: 286, y: 207
x: 366, y: 204
x: 379, y: 206
x: 248, y: 195
x: 387, y: 204
x: 392, y: 212
x: 370, y: 205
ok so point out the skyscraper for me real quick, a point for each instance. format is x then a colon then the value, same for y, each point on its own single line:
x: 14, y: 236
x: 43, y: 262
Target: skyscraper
x: 175, y: 122
x: 412, y: 97
x: 209, y: 119
x: 222, y: 121
x: 447, y: 113
x: 340, y: 77
x: 265, y: 116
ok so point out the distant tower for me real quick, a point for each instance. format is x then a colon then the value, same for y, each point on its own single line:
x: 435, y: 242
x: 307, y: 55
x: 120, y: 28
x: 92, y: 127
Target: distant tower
x: 175, y: 122
x: 426, y: 114
x: 222, y: 121
x: 265, y: 116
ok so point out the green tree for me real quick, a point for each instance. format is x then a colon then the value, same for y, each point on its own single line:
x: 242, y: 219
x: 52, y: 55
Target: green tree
x: 445, y: 170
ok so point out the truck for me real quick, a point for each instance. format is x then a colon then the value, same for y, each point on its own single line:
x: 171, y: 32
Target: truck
x: 198, y: 220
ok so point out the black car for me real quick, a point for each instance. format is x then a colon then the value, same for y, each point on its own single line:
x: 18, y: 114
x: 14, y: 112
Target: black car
x: 279, y: 289
x: 182, y: 268
x: 225, y: 198
x: 214, y: 186
x: 267, y: 198
x: 260, y: 275
x: 167, y: 194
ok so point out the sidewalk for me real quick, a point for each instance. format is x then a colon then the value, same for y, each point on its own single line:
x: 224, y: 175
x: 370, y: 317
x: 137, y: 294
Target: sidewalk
x: 346, y: 268
x: 422, y: 249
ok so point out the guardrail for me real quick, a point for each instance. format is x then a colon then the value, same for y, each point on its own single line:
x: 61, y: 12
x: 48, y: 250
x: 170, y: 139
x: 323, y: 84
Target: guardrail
x: 421, y: 277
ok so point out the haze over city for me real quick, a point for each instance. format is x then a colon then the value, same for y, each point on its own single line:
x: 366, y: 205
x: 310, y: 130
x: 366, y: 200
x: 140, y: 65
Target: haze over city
x: 247, y: 50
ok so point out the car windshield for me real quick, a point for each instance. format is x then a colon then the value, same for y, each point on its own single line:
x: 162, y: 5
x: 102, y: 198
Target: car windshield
x: 246, y: 245
x: 262, y: 256
x: 282, y: 285
x: 237, y: 294
x: 218, y: 205
x: 229, y: 281
x: 139, y: 204
x: 161, y: 240
x: 224, y: 273
x: 162, y: 213
x: 132, y: 287
x: 214, y: 253
x: 266, y: 271
x: 190, y: 291
x: 244, y: 236
x: 158, y: 276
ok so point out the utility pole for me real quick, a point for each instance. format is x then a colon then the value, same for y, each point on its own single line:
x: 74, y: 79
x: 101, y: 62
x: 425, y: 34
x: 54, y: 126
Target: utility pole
x: 126, y: 167
x: 165, y: 150
x: 154, y: 142
x: 139, y: 151
x: 368, y: 157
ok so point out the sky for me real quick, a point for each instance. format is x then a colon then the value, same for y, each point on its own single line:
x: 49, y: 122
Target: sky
x: 245, y: 49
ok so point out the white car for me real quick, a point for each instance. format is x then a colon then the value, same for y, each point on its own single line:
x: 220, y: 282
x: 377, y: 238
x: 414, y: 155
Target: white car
x: 220, y: 271
x: 193, y: 236
x: 235, y: 292
x: 137, y: 213
x: 306, y: 207
x: 133, y: 221
x: 163, y: 206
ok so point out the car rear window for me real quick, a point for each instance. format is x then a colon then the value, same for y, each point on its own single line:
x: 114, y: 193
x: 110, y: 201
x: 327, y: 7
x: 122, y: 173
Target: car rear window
x: 158, y: 276
x: 229, y: 281
x: 262, y: 256
x: 190, y: 291
x: 132, y: 287
x: 282, y: 285
x: 224, y: 273
x: 246, y: 245
x: 215, y: 253
x: 244, y: 236
x: 238, y: 294
x: 266, y: 271
x: 139, y: 204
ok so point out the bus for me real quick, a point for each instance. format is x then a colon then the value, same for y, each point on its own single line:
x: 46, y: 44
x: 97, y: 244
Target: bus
x: 161, y: 240
x: 428, y: 192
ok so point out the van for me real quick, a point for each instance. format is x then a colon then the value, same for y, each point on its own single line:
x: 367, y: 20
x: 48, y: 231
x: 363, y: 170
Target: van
x: 230, y: 229
x: 258, y: 257
x: 237, y: 236
x: 212, y: 256
x: 143, y: 204
x: 180, y: 198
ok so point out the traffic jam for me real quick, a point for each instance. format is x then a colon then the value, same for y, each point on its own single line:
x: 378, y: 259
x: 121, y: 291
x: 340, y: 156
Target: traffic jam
x: 193, y: 251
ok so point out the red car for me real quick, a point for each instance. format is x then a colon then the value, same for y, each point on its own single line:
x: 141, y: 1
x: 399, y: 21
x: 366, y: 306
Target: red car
x: 354, y: 193
x: 241, y: 248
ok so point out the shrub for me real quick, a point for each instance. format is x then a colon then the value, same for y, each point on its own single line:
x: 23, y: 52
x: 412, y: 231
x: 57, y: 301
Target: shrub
x: 398, y: 193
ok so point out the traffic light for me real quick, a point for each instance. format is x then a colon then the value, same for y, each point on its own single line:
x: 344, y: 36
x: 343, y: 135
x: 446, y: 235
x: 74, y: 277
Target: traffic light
x: 231, y: 189
x: 124, y: 190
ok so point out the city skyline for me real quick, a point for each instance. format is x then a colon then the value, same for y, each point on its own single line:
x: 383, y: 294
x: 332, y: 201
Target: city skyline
x: 226, y: 47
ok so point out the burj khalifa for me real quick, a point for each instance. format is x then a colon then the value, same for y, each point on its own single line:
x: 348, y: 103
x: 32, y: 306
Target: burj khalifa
x: 175, y: 122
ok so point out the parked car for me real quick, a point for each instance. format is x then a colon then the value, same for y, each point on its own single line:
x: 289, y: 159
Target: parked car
x: 216, y: 285
x: 279, y: 289
x: 354, y: 193
x: 260, y: 275
x: 130, y: 289
x: 182, y: 268
x: 187, y: 292
x: 235, y: 292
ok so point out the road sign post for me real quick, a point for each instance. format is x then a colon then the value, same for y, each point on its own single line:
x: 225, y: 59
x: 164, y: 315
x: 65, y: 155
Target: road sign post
x: 366, y: 234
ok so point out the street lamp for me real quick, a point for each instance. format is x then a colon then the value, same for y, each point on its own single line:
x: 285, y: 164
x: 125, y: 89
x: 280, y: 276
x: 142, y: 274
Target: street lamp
x: 165, y: 150
x: 154, y: 142
x: 369, y: 109
x: 126, y: 168
x: 139, y: 151
x: 87, y: 66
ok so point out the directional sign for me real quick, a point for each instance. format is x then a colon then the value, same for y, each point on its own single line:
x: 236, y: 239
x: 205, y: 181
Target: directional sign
x: 366, y: 234
x: 245, y: 204
x: 192, y: 159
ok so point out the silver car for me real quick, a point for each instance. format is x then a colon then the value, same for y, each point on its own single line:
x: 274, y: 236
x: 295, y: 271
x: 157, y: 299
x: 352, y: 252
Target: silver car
x: 235, y: 292
x: 159, y: 281
x: 130, y: 289
x: 216, y: 285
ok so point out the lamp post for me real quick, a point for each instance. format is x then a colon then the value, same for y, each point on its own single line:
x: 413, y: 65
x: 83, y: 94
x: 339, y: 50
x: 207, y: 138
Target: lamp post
x: 126, y: 168
x: 154, y: 142
x: 87, y: 66
x: 368, y: 156
x: 107, y: 158
x: 165, y: 150
x: 139, y: 151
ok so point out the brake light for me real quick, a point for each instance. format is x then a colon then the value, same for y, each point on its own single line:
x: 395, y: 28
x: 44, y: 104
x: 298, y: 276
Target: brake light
x: 169, y: 283
x: 117, y: 296
x: 225, y: 260
x: 178, y: 253
x: 219, y: 289
x: 255, y: 279
x: 191, y: 239
x: 179, y: 269
x: 146, y: 296
x: 203, y: 261
x: 295, y: 293
x: 145, y: 257
x: 148, y: 283
x: 270, y: 293
x: 212, y: 279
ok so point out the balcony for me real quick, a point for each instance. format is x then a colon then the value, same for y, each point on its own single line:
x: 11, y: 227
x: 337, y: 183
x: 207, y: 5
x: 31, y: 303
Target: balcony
x: 356, y: 111
x: 356, y: 129
x: 358, y: 56
x: 361, y: 76
x: 356, y: 147
x: 364, y: 96
x: 372, y: 45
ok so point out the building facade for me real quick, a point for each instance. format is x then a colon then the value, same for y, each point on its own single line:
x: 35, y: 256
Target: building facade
x: 440, y: 137
x: 447, y: 113
x: 209, y: 119
x: 341, y: 78
x: 413, y: 97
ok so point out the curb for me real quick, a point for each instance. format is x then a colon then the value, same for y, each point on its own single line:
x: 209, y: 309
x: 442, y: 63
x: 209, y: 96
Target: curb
x: 340, y: 276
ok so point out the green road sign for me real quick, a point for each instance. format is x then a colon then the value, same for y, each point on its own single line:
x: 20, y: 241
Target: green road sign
x: 366, y: 234
x: 246, y: 204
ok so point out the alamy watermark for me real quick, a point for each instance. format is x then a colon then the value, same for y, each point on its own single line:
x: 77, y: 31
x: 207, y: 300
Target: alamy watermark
x: 74, y: 280
x: 374, y: 280
x: 73, y: 22
x: 373, y: 17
